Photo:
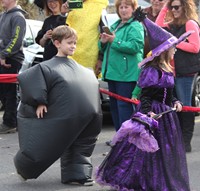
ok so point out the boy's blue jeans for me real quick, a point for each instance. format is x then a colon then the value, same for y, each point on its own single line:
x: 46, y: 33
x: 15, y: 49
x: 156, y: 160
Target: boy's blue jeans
x: 120, y: 110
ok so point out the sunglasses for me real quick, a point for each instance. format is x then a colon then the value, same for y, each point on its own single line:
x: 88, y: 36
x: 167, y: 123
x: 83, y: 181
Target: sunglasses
x: 176, y: 7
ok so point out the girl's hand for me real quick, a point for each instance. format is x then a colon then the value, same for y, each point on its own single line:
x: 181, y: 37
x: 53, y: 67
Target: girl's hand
x: 40, y: 111
x: 151, y: 114
x: 178, y: 106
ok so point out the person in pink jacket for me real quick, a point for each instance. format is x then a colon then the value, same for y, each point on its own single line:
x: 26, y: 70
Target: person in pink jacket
x: 179, y: 16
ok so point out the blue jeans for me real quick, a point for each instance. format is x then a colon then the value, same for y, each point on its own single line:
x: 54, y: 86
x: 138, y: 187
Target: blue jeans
x: 184, y: 89
x: 120, y: 110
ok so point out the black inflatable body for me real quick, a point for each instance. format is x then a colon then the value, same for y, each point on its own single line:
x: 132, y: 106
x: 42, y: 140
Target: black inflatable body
x: 73, y: 120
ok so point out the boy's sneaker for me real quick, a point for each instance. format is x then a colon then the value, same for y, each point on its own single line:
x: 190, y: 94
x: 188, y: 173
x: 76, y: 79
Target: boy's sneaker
x: 84, y: 182
x: 4, y: 129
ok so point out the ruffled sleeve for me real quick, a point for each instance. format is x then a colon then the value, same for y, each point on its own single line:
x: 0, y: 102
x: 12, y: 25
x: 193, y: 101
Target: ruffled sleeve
x: 149, y: 77
x: 154, y: 77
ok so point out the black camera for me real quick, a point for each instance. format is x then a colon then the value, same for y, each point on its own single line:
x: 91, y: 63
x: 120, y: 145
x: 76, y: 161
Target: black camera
x: 75, y: 4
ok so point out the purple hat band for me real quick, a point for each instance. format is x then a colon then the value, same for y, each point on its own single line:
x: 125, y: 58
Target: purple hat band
x: 170, y: 42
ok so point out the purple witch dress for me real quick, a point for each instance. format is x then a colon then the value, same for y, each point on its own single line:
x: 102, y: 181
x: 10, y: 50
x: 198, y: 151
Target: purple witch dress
x: 128, y: 166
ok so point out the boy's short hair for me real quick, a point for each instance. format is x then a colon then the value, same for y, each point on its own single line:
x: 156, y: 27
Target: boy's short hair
x: 63, y: 32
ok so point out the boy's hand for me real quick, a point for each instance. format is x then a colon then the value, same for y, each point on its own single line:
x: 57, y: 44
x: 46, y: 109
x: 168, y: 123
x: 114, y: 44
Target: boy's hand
x: 3, y: 63
x: 40, y: 111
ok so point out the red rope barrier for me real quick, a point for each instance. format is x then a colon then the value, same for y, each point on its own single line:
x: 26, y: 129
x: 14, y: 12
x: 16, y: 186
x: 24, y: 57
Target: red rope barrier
x: 12, y: 78
x: 185, y: 108
x: 8, y: 78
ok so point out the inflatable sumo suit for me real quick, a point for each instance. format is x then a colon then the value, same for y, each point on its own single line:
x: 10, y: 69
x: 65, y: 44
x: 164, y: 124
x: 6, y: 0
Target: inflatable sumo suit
x: 71, y: 125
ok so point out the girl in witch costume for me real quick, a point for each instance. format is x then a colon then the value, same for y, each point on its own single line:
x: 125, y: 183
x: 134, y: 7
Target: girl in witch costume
x: 149, y: 155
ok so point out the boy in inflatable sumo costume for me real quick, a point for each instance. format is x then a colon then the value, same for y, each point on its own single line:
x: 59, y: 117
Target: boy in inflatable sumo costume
x: 59, y: 115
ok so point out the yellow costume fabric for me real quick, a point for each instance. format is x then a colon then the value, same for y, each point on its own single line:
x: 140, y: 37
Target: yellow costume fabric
x: 86, y: 22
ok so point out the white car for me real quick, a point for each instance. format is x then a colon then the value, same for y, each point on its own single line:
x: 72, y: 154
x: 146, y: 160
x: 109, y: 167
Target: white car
x: 32, y: 51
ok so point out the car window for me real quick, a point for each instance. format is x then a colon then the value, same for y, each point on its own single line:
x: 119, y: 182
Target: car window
x: 32, y: 28
x: 36, y: 26
x: 28, y: 39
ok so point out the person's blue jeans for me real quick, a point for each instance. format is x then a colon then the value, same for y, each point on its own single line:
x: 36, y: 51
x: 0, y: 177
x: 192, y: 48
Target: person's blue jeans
x: 120, y: 110
x: 184, y: 89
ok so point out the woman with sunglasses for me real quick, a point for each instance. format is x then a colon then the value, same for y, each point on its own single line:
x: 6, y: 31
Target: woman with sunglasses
x: 183, y: 17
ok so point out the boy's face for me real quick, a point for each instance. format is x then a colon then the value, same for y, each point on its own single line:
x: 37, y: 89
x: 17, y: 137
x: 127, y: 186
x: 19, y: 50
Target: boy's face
x: 66, y: 47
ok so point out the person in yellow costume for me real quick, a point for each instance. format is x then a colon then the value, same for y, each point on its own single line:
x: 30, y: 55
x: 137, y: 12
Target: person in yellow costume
x: 86, y: 22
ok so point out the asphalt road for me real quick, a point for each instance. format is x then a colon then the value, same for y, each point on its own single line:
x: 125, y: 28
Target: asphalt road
x: 50, y: 179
